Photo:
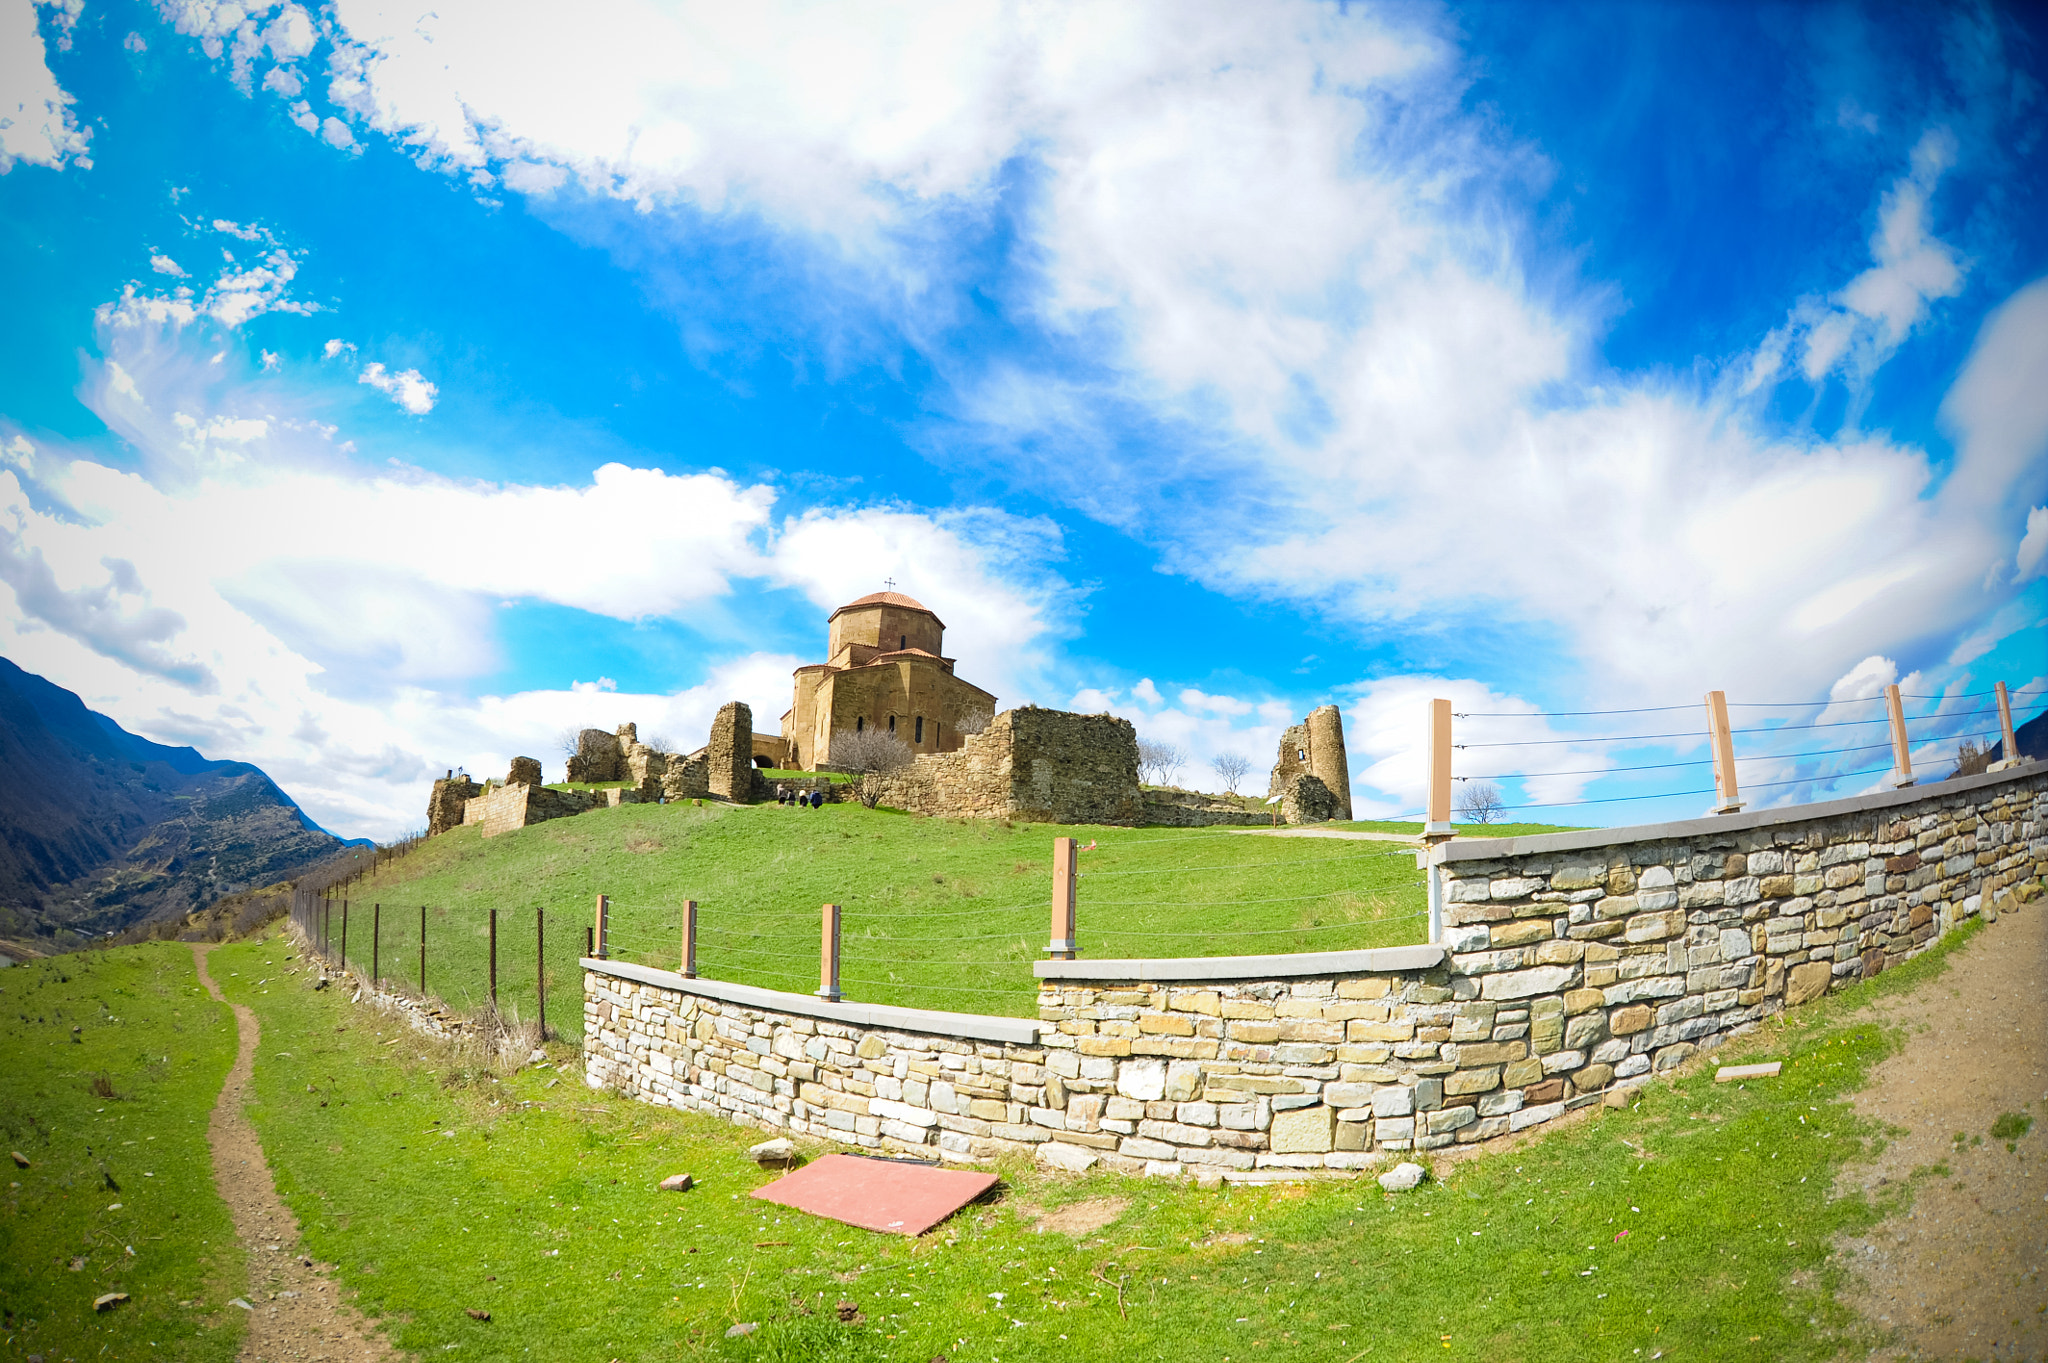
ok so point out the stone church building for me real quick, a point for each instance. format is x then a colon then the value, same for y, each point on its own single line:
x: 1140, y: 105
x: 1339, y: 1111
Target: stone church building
x: 885, y: 667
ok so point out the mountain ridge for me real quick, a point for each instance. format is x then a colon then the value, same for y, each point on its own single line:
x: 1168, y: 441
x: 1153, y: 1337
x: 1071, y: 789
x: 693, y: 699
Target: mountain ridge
x: 102, y: 829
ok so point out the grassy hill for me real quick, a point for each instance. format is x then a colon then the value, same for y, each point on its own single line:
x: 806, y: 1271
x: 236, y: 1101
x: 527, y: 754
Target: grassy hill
x: 937, y: 913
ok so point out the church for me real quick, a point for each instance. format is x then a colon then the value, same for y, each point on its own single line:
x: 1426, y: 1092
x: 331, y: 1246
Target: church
x: 886, y: 668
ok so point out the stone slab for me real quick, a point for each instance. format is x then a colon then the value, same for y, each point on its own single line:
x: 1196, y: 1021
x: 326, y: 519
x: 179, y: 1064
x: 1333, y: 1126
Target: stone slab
x: 898, y: 1196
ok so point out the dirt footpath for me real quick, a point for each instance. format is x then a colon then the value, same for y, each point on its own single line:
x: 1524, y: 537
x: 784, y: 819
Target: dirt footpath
x: 1964, y: 1272
x: 296, y: 1315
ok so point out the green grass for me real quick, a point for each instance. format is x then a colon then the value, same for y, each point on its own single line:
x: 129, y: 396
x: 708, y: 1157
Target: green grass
x: 936, y: 913
x: 123, y: 1167
x: 1698, y: 1220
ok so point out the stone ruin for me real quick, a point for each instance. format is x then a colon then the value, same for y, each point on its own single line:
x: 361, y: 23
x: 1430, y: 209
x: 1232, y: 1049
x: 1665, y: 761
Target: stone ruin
x: 723, y: 769
x: 1044, y: 766
x: 1313, y: 749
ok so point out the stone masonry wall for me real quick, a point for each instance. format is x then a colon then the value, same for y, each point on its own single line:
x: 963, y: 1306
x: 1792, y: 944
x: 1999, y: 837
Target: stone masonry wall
x: 1042, y: 766
x: 1642, y: 952
x: 501, y: 809
x: 1573, y: 965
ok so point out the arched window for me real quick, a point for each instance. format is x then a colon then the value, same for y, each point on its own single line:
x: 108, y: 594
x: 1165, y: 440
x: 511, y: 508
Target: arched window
x: 892, y: 724
x: 859, y: 722
x: 903, y: 641
x: 1301, y: 754
x: 920, y: 728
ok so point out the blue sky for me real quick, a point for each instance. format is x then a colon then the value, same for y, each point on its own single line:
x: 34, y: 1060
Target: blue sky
x: 388, y: 387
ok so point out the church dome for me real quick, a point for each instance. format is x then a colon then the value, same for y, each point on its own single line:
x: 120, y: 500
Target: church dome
x: 887, y: 599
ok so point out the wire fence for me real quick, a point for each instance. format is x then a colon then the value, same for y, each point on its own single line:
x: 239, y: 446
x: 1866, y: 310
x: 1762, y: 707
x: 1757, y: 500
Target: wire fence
x: 1788, y: 752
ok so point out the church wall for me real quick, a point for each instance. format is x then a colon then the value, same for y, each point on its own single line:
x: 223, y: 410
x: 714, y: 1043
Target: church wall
x: 907, y: 688
x: 886, y: 627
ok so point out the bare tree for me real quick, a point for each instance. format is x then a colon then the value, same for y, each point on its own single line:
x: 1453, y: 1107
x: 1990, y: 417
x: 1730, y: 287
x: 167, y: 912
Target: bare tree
x: 1231, y: 766
x: 872, y: 755
x: 569, y: 740
x: 1162, y: 760
x: 1479, y: 801
x: 659, y: 742
x: 973, y: 722
x: 1972, y: 760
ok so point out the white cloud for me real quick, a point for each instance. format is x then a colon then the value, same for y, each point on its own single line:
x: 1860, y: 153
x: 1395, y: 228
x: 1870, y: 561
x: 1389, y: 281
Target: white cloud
x: 406, y: 387
x: 1426, y: 440
x: 1865, y: 322
x: 2033, y: 546
x: 236, y: 295
x: 251, y: 589
x: 165, y: 265
x: 36, y: 122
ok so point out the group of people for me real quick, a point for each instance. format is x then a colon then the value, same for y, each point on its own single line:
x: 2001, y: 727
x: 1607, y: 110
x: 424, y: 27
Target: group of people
x: 812, y: 798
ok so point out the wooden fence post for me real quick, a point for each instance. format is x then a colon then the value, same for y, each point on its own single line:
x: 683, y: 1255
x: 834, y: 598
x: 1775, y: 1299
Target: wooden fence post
x: 1902, y: 747
x: 1727, y: 795
x: 494, y: 958
x: 828, y: 954
x: 2012, y: 744
x: 1065, y: 873
x: 1439, y: 813
x: 540, y: 967
x: 689, y: 939
x: 600, y: 934
x: 1436, y: 828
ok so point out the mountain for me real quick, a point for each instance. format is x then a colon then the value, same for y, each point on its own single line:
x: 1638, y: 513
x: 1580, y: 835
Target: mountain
x: 101, y: 829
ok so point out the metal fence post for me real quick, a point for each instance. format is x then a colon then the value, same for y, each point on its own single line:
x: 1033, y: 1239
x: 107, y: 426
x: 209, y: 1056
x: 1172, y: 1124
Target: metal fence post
x: 1065, y: 873
x: 600, y: 945
x: 344, y: 935
x: 689, y: 939
x: 540, y: 967
x: 828, y: 954
x: 423, y: 951
x: 376, y: 940
x: 494, y: 958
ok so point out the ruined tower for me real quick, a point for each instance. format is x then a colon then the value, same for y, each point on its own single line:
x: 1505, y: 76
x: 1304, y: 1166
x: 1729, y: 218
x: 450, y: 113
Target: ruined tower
x: 1315, y: 747
x: 731, y: 753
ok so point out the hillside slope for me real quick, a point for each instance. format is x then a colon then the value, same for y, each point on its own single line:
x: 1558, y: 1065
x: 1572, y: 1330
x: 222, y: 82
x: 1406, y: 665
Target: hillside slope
x: 101, y: 829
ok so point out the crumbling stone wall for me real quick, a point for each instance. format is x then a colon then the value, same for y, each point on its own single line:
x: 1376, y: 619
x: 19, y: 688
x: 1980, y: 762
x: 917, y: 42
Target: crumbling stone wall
x: 503, y: 809
x: 1574, y: 965
x: 598, y: 757
x: 1305, y: 799
x: 1041, y: 766
x: 1315, y: 747
x: 1193, y: 809
x: 525, y: 772
x: 729, y: 757
x: 445, y: 805
x: 687, y: 778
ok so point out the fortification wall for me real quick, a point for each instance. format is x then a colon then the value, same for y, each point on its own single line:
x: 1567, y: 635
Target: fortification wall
x: 1573, y: 966
x: 1193, y: 809
x: 501, y: 809
x: 445, y: 805
x: 1041, y: 766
